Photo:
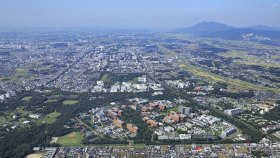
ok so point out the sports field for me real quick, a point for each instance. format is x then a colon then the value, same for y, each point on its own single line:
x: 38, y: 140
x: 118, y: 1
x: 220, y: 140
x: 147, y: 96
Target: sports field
x: 72, y: 139
x: 36, y: 155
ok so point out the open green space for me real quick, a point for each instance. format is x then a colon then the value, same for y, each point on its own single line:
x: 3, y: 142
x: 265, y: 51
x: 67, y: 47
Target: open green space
x: 51, y: 100
x: 72, y: 139
x: 26, y: 98
x: 166, y: 51
x: 140, y: 148
x: 50, y: 118
x: 199, y: 71
x: 70, y: 102
x: 20, y: 72
x: 242, y: 149
x: 173, y: 109
x: 105, y: 77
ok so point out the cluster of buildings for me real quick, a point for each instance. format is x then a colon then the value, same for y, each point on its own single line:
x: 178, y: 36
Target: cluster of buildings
x: 126, y: 86
x: 175, y: 137
x: 176, y: 117
x: 115, y: 113
x: 243, y: 150
x: 177, y: 83
x: 7, y: 95
x: 204, y: 120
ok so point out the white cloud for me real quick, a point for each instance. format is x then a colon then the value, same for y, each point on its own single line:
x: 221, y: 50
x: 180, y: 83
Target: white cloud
x: 273, y: 7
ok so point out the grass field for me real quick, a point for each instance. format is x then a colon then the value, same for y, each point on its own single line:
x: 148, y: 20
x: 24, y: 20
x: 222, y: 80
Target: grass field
x: 105, y: 77
x: 70, y: 102
x: 26, y: 98
x: 50, y: 118
x: 72, y: 139
x: 242, y: 149
x: 173, y: 109
x: 51, y: 100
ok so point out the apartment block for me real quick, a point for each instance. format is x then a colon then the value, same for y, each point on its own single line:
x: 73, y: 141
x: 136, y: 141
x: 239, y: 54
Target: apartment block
x: 112, y: 113
x: 144, y: 108
x: 153, y: 123
x: 184, y: 110
x: 119, y: 122
x: 161, y: 106
x: 132, y: 127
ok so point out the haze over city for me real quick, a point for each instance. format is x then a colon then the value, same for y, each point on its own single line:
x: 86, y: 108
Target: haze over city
x: 138, y: 14
x: 139, y: 79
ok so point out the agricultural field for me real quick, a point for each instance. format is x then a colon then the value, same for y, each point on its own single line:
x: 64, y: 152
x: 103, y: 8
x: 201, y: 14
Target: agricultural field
x: 232, y: 83
x: 19, y: 73
x: 259, y: 63
x: 72, y: 139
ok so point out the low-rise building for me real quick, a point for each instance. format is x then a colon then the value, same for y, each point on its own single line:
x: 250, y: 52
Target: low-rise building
x: 35, y: 116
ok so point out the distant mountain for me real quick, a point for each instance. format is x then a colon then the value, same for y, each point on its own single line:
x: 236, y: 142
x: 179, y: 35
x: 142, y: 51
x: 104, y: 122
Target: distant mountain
x: 205, y: 28
x: 238, y: 34
x: 262, y: 27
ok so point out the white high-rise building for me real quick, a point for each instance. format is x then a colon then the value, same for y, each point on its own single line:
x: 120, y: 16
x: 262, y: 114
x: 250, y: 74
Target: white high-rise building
x: 233, y: 111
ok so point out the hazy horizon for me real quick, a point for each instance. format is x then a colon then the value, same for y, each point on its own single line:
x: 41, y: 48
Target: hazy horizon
x: 137, y: 14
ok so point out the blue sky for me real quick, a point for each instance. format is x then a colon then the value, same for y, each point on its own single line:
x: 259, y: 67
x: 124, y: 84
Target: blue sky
x: 138, y: 13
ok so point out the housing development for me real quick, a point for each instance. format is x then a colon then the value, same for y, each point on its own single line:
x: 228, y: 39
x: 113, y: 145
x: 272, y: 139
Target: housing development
x: 139, y: 93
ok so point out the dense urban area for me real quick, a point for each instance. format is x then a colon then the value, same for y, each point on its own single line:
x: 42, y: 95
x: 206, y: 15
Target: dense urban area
x: 88, y: 93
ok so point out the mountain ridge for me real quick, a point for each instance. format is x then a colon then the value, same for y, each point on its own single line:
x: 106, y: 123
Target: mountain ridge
x: 205, y: 28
